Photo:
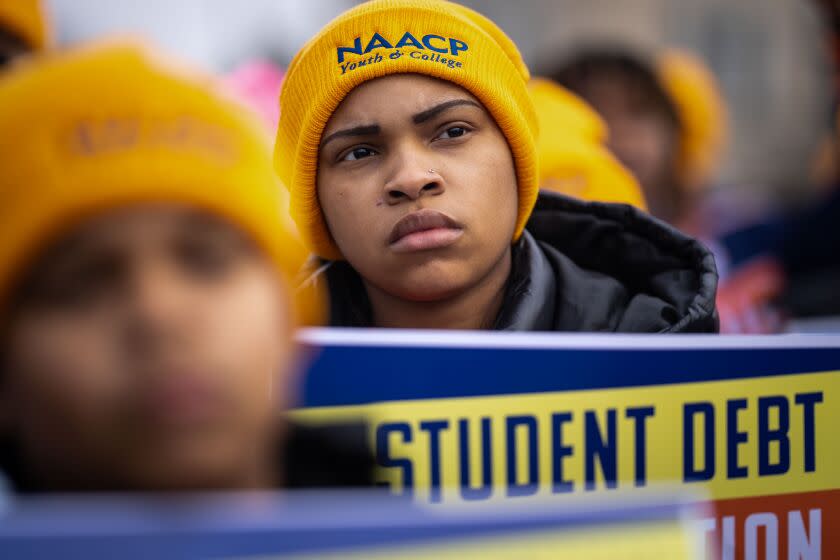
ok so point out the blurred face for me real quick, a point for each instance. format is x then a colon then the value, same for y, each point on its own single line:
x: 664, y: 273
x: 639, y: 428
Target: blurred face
x: 418, y: 187
x: 644, y: 141
x: 149, y: 349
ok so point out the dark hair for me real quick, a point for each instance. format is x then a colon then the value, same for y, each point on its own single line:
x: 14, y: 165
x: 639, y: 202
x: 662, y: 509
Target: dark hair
x: 11, y: 45
x: 630, y: 73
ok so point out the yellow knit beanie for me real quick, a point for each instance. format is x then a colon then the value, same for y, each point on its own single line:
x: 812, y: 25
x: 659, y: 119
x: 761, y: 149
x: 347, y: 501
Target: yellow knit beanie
x: 27, y: 20
x: 109, y: 126
x: 702, y: 112
x: 436, y: 38
x: 573, y: 159
x: 564, y: 113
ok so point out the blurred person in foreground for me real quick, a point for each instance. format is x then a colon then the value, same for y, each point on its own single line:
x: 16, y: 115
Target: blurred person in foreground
x: 23, y: 29
x: 146, y: 304
x: 407, y: 138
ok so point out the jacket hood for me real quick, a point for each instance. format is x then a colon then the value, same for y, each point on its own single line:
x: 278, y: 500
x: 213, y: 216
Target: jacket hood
x: 614, y: 268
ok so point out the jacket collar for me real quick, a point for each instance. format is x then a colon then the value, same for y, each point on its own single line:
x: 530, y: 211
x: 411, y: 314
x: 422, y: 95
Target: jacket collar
x: 531, y: 292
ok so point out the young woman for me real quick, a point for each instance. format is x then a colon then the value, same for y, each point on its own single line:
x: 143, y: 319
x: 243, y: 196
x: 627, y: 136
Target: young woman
x: 407, y: 139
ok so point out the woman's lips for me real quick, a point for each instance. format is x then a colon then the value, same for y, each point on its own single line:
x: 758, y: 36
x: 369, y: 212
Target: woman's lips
x: 424, y: 230
x: 180, y: 401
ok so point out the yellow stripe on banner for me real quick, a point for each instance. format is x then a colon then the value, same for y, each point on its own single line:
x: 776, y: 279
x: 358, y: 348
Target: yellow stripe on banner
x: 630, y: 542
x: 732, y: 439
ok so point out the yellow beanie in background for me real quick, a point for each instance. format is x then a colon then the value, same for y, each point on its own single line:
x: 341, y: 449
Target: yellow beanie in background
x: 573, y: 159
x: 702, y: 112
x: 111, y: 125
x: 561, y: 112
x: 431, y: 37
x: 27, y: 20
x: 590, y: 172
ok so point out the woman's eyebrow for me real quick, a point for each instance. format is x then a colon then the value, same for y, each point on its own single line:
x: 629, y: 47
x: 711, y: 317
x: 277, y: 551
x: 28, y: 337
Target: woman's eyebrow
x: 365, y: 130
x: 432, y: 112
x: 419, y: 118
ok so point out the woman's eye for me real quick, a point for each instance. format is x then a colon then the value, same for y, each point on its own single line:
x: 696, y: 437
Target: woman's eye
x: 207, y: 259
x: 453, y: 132
x: 92, y: 281
x: 358, y: 153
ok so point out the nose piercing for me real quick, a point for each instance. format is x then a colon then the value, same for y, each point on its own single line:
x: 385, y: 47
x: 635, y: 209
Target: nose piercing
x: 431, y: 171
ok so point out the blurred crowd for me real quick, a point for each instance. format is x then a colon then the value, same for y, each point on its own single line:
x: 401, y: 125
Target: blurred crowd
x: 119, y: 257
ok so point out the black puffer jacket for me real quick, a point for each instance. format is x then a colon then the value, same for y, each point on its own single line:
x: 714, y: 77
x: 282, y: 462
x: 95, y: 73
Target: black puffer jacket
x: 581, y: 266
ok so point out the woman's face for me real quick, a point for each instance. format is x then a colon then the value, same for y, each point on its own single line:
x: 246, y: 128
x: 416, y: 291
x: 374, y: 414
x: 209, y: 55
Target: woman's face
x: 418, y: 187
x: 149, y: 349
